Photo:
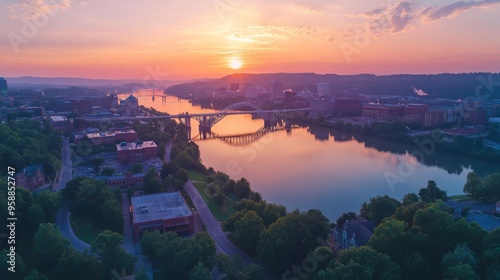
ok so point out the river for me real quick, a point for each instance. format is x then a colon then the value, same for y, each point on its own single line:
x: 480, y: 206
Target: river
x: 313, y: 167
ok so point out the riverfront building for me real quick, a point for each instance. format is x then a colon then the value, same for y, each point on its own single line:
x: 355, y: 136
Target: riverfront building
x: 164, y: 212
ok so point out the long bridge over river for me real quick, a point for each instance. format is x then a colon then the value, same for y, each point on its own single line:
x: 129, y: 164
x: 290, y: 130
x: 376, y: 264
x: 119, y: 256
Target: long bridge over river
x: 208, y: 120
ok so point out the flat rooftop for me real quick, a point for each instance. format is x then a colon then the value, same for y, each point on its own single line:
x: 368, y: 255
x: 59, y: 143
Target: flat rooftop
x: 161, y: 206
x: 109, y: 133
x: 58, y: 118
x: 136, y: 145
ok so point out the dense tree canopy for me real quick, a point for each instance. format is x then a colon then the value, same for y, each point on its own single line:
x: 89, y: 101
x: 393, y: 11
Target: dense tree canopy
x: 179, y: 257
x: 288, y: 241
x: 107, y: 247
x: 432, y: 193
x: 379, y: 207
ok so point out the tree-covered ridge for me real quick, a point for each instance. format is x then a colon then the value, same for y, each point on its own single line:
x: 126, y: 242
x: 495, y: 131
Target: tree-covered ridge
x: 29, y: 142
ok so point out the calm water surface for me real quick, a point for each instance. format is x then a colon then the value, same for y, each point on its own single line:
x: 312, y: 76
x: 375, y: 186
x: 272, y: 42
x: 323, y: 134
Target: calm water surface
x: 312, y: 167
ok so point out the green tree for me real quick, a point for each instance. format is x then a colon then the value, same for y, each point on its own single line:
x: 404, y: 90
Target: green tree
x: 490, y: 258
x: 460, y: 272
x: 107, y: 171
x: 90, y: 196
x: 35, y: 275
x: 49, y: 201
x: 272, y: 212
x: 200, y: 272
x: 247, y: 231
x: 137, y: 168
x: 48, y: 246
x: 473, y: 185
x: 236, y: 270
x: 432, y: 193
x: 364, y: 263
x: 141, y: 275
x: 111, y: 216
x: 20, y: 267
x: 491, y: 191
x: 409, y: 199
x: 151, y: 182
x: 379, y: 207
x: 77, y: 265
x: 291, y: 238
x: 72, y: 187
x: 461, y: 255
x: 242, y: 188
x: 97, y: 161
x: 406, y: 248
x: 34, y: 217
x: 407, y: 212
x: 107, y: 247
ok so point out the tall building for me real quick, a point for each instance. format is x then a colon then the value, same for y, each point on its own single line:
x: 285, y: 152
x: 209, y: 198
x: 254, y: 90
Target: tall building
x: 3, y: 87
x: 129, y: 107
x: 277, y: 90
x: 323, y: 89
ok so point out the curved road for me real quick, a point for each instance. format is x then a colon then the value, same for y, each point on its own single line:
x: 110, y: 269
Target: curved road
x: 62, y: 217
x: 213, y: 226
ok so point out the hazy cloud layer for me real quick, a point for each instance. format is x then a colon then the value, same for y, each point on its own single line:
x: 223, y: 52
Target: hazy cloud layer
x: 32, y: 9
x: 399, y: 16
x: 433, y: 13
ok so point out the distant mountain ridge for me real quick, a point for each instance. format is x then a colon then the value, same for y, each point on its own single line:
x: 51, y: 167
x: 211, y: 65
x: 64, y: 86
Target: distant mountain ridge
x: 30, y: 81
x: 436, y: 85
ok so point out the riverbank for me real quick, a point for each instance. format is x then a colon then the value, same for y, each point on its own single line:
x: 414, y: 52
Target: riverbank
x: 429, y: 142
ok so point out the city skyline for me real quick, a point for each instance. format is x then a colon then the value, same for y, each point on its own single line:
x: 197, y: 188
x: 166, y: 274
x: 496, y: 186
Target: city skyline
x: 189, y: 40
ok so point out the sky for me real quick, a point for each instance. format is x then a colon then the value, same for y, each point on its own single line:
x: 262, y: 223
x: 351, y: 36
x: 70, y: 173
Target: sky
x: 191, y: 39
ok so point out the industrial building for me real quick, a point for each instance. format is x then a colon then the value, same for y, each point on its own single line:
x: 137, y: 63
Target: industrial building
x: 164, y: 212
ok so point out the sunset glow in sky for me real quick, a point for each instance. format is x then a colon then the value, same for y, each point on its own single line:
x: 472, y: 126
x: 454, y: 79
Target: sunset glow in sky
x: 204, y: 39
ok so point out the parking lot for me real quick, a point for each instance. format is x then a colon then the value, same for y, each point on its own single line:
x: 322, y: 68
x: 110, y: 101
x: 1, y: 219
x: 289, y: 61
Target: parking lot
x: 480, y: 212
x: 110, y: 160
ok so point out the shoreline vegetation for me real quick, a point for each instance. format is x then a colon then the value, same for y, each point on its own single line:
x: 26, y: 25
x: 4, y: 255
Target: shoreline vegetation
x: 395, y: 131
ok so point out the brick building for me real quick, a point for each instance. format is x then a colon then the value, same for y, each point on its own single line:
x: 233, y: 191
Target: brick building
x: 415, y: 112
x: 124, y: 181
x: 347, y: 108
x: 136, y: 151
x: 435, y: 118
x: 164, y: 212
x: 111, y: 137
x: 61, y: 124
x: 379, y: 111
x: 31, y: 177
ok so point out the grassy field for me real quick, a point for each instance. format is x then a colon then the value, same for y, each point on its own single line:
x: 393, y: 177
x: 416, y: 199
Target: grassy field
x: 221, y: 213
x: 461, y: 197
x: 196, y: 176
x: 84, y: 229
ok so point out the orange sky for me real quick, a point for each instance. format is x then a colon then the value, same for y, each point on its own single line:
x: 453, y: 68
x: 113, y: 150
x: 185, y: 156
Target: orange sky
x: 198, y: 39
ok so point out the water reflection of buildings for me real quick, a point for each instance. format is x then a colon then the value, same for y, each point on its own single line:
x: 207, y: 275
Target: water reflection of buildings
x: 319, y: 133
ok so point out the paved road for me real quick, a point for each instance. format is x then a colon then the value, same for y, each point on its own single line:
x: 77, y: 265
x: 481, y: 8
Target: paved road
x: 62, y: 217
x: 62, y: 220
x: 213, y: 226
x: 214, y: 229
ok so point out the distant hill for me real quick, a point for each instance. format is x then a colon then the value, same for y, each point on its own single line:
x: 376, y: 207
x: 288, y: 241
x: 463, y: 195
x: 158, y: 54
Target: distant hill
x: 438, y: 85
x: 61, y: 82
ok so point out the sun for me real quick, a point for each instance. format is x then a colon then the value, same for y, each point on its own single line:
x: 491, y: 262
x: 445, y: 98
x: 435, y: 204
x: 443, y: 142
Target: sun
x: 235, y: 63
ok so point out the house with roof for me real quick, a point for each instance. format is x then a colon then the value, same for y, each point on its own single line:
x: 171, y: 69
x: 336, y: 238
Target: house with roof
x: 31, y: 177
x: 353, y: 233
